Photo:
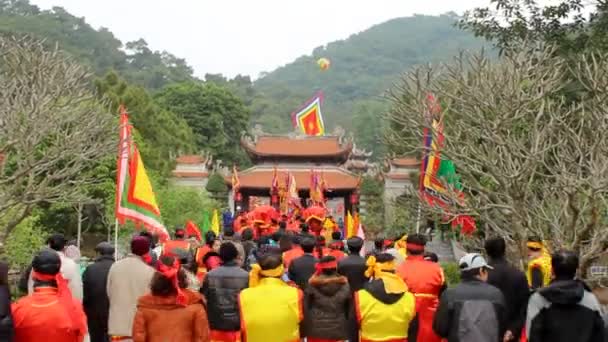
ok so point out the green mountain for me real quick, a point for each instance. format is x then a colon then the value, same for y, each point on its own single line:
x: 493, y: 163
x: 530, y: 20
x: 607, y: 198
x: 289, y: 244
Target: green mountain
x: 98, y: 49
x: 363, y: 67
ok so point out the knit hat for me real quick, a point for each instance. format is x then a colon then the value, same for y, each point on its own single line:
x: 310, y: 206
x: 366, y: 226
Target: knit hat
x: 140, y: 246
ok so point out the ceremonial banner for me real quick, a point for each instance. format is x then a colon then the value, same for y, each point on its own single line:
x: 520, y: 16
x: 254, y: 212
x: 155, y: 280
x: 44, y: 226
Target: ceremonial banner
x: 236, y: 183
x: 308, y: 118
x: 215, y: 223
x: 351, y: 230
x: 135, y: 199
x: 292, y: 191
x: 437, y: 174
x: 317, y: 188
x: 192, y: 230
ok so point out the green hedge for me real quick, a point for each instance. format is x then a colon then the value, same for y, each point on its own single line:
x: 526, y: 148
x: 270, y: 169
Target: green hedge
x: 451, y: 272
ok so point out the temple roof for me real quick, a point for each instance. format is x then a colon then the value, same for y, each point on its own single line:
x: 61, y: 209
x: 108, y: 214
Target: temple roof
x: 261, y: 178
x: 297, y: 147
x: 191, y: 159
x: 405, y: 162
x: 190, y: 174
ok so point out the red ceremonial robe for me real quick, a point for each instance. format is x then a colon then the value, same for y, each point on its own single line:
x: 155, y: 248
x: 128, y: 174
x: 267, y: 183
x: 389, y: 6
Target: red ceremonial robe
x: 425, y: 280
x: 42, y: 316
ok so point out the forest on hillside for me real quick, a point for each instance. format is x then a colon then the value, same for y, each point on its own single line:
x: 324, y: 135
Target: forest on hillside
x: 174, y: 112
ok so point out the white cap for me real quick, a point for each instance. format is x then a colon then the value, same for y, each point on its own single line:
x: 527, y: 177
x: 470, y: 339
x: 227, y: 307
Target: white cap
x: 473, y: 261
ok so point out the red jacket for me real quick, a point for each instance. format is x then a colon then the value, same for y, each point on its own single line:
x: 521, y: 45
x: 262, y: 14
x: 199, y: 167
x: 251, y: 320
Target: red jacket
x: 426, y: 281
x: 291, y: 255
x: 41, y: 316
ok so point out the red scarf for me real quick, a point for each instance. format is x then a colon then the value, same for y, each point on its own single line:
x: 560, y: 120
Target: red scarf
x: 171, y: 273
x: 320, y: 266
x: 64, y: 295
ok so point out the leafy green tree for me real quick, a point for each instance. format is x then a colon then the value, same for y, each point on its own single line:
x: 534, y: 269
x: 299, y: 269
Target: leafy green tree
x: 154, y: 69
x: 180, y: 204
x: 27, y: 239
x: 368, y: 126
x: 563, y: 24
x: 217, y: 117
x: 162, y: 134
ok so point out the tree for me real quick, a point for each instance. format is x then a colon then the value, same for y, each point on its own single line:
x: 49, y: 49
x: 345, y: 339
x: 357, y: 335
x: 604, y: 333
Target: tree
x: 52, y: 129
x: 531, y: 162
x: 162, y: 134
x: 216, y: 116
x: 563, y: 24
x: 179, y: 204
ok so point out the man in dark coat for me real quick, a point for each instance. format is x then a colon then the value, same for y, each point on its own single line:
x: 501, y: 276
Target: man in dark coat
x: 513, y: 285
x: 353, y: 266
x: 473, y: 311
x: 221, y: 288
x: 566, y: 310
x: 95, y: 299
x: 302, y: 268
x: 6, y: 321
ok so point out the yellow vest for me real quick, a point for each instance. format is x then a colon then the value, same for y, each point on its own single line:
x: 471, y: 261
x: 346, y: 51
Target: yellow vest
x: 544, y: 263
x: 381, y: 322
x: 271, y: 312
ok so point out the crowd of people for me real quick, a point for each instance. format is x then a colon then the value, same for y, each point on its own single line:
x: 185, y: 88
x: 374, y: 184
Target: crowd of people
x: 294, y: 285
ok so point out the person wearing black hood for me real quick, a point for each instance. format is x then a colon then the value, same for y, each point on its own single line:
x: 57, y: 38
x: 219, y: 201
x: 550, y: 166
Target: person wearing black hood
x: 327, y: 303
x: 95, y: 301
x: 353, y: 266
x: 566, y: 310
x: 385, y: 310
x: 6, y: 319
x: 513, y: 285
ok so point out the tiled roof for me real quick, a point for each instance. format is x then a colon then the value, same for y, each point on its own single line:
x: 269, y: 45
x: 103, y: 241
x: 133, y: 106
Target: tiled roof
x: 284, y: 146
x: 397, y: 176
x: 405, y: 162
x: 336, y: 179
x: 190, y: 159
x: 186, y: 174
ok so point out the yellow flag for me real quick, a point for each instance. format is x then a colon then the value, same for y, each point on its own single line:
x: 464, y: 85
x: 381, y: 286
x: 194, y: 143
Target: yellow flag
x: 215, y: 222
x: 351, y: 230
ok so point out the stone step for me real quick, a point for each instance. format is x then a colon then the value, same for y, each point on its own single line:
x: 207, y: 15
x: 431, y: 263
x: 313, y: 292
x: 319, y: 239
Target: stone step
x: 443, y: 249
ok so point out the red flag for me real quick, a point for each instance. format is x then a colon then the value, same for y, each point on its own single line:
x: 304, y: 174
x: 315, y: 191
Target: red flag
x: 192, y: 230
x: 308, y: 118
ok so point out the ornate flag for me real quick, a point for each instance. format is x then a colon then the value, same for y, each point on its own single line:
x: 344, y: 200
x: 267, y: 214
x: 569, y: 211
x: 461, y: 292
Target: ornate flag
x: 308, y: 118
x: 135, y: 199
x: 292, y: 190
x: 437, y: 174
x: 192, y: 230
x: 274, y: 187
x: 236, y: 183
x: 316, y: 189
x: 351, y: 229
x: 215, y: 223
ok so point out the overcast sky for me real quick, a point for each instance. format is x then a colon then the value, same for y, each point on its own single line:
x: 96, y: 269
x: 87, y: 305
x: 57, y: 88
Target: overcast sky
x: 245, y: 36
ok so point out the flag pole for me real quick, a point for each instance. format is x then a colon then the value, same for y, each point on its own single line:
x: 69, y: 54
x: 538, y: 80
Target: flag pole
x: 116, y: 240
x: 418, y: 219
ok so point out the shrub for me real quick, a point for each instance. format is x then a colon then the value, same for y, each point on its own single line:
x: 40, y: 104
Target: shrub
x: 451, y: 271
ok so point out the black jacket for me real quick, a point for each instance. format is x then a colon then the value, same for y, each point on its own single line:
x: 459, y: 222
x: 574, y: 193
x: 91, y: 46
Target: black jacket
x: 7, y: 331
x: 327, y: 308
x: 514, y: 287
x: 564, y: 311
x: 473, y: 311
x: 221, y: 288
x: 95, y: 297
x: 353, y: 268
x: 301, y: 269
